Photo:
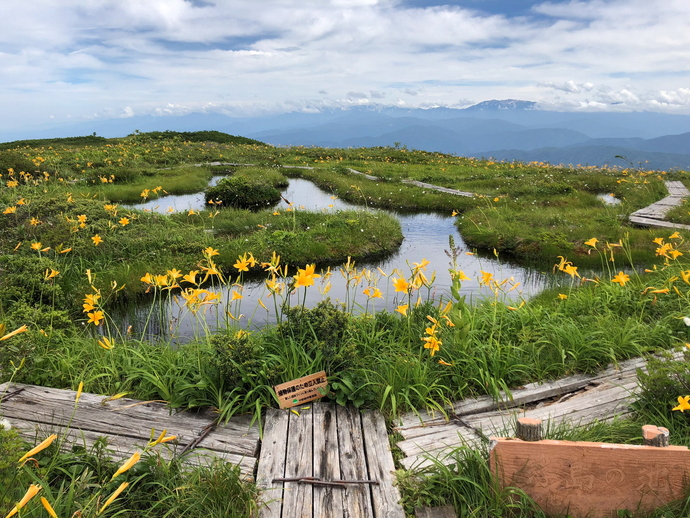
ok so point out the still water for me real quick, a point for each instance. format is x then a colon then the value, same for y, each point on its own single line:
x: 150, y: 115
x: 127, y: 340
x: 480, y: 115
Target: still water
x: 426, y: 237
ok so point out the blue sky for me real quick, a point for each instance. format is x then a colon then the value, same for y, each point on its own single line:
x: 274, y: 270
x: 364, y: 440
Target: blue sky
x: 77, y: 60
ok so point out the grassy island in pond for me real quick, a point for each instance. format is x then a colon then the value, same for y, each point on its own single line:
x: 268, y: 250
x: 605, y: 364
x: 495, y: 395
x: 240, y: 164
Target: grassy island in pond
x: 69, y: 248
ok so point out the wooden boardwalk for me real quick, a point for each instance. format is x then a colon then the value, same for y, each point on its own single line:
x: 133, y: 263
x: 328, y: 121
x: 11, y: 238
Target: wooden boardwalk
x: 577, y: 400
x: 654, y: 215
x: 329, y: 443
x: 127, y: 425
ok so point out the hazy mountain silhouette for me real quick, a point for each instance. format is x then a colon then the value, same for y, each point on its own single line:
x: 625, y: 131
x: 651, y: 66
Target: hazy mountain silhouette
x: 507, y: 129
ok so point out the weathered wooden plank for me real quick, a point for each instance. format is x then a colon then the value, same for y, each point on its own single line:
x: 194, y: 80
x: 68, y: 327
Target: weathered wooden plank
x: 592, y: 480
x: 328, y: 501
x: 385, y: 496
x: 357, y: 497
x: 272, y: 463
x: 447, y: 190
x: 120, y: 448
x: 218, y: 441
x: 452, y: 436
x: 657, y: 223
x: 365, y: 175
x: 126, y: 417
x: 601, y: 403
x: 122, y: 417
x: 297, y: 498
x: 445, y: 511
x: 413, y: 425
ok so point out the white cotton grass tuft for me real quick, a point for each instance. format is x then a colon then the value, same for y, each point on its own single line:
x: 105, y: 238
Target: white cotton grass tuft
x: 5, y: 424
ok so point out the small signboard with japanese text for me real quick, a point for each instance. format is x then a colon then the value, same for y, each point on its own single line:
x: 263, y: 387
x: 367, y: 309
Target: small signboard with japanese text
x: 302, y: 390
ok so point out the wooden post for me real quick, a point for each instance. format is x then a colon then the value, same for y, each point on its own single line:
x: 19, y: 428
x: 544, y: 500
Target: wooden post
x: 655, y: 436
x: 528, y: 429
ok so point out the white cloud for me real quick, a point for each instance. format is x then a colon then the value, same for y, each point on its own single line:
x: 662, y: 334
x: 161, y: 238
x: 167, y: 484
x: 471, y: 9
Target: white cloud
x: 78, y: 57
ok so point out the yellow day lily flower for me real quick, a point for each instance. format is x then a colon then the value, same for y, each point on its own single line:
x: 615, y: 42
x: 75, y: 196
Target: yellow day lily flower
x: 675, y: 235
x: 49, y: 508
x: 95, y: 317
x: 210, y: 252
x: 621, y: 278
x: 106, y: 343
x: 174, y: 274
x: 124, y: 221
x: 683, y: 404
x: 112, y: 497
x: 486, y: 277
x: 592, y: 242
x: 401, y: 285
x: 162, y: 438
x: 562, y: 296
x: 460, y: 275
x: 127, y: 465
x: 50, y: 273
x: 242, y: 263
x: 305, y: 277
x: 40, y: 447
x: 14, y: 333
x: 236, y: 296
x: 571, y: 270
x: 191, y: 276
x: 432, y: 343
x: 30, y: 493
x: 79, y: 390
x: 97, y: 240
x: 402, y: 309
x: 421, y: 265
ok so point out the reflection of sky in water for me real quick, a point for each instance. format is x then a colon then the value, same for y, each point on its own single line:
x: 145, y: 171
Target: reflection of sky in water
x: 176, y: 202
x: 609, y: 199
x: 426, y: 237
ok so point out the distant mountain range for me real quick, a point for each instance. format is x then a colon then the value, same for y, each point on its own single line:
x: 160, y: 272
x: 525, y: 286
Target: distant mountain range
x: 503, y: 129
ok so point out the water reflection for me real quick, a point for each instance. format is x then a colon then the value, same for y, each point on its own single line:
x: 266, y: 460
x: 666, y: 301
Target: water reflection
x: 177, y: 202
x: 609, y: 198
x: 426, y: 236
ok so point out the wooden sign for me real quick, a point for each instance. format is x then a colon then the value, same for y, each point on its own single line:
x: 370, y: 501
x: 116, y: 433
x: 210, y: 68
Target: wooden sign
x: 594, y: 480
x: 301, y: 390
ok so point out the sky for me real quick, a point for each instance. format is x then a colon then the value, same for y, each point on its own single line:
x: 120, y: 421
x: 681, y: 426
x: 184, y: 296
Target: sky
x: 80, y: 60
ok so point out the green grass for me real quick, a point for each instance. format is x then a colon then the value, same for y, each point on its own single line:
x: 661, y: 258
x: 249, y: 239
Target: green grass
x: 374, y: 359
x: 80, y: 482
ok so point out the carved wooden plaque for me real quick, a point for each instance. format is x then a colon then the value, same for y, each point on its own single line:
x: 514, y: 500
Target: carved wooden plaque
x: 587, y: 479
x: 302, y: 390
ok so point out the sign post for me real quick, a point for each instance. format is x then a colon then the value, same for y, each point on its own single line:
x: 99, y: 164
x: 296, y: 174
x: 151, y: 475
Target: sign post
x: 302, y: 390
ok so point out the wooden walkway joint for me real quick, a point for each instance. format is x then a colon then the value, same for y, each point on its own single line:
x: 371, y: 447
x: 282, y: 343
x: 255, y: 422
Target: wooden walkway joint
x: 578, y: 400
x: 341, y: 446
x: 654, y: 215
x: 127, y: 425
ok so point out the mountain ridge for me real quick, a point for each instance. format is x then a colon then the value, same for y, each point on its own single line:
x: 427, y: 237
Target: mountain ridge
x: 508, y: 128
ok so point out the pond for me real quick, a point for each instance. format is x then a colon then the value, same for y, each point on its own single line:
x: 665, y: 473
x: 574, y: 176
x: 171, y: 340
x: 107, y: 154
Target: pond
x: 426, y: 238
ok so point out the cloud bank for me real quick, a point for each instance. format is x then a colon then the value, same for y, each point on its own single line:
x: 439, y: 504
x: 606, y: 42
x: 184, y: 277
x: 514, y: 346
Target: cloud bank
x: 77, y: 59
